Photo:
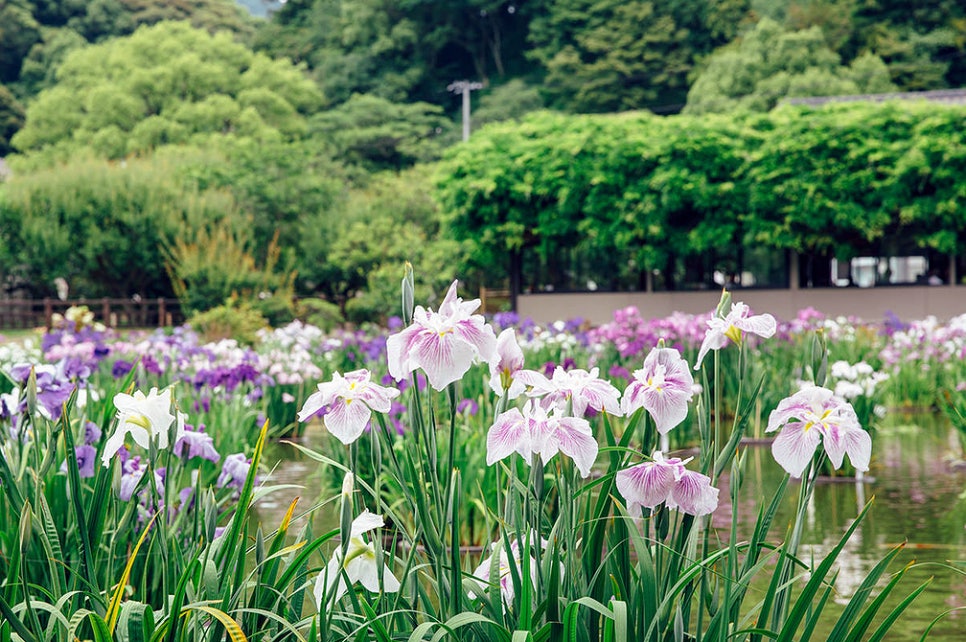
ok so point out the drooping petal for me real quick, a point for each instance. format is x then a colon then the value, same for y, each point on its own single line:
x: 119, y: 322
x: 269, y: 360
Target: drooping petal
x: 399, y: 350
x: 693, y: 493
x: 477, y: 334
x: 313, y: 403
x: 509, y: 433
x: 575, y: 439
x: 647, y: 484
x: 714, y: 339
x: 330, y: 574
x: 347, y: 420
x: 794, y: 446
x: 853, y: 441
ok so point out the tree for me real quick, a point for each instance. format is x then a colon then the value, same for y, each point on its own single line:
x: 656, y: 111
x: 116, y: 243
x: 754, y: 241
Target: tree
x: 11, y: 119
x: 19, y: 31
x: 769, y: 63
x: 610, y: 55
x: 377, y: 134
x: 166, y: 84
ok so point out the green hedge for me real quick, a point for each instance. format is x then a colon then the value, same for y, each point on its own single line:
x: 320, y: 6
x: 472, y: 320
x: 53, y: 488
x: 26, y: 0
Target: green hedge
x: 636, y: 190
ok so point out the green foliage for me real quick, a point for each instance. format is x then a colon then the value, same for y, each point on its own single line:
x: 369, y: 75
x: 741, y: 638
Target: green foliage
x: 377, y: 134
x: 215, y: 262
x: 166, y: 84
x: 630, y: 193
x: 768, y: 64
x: 355, y: 254
x: 98, y: 225
x: 320, y: 313
x: 11, y: 119
x: 234, y: 319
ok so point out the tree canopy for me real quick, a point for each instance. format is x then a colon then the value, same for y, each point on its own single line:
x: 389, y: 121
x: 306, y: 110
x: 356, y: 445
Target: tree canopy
x: 166, y: 84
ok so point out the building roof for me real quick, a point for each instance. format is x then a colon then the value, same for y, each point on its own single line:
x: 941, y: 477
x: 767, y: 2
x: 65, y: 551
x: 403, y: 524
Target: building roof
x: 949, y: 96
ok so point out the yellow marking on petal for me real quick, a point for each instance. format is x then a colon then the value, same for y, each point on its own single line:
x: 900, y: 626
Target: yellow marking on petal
x: 808, y: 426
x: 348, y: 401
x: 139, y: 420
x: 733, y: 333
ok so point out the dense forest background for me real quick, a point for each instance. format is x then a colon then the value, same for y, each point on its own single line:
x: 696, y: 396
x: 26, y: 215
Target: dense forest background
x: 300, y: 138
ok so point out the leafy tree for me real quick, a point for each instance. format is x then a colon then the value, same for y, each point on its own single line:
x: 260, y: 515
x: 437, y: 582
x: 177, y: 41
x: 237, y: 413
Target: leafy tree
x: 769, y: 64
x: 166, y: 84
x: 610, y: 55
x: 19, y: 31
x: 11, y: 119
x: 354, y: 254
x: 377, y: 134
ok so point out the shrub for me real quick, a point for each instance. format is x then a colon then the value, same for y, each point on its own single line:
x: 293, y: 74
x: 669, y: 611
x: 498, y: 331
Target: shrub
x: 320, y: 313
x: 233, y: 320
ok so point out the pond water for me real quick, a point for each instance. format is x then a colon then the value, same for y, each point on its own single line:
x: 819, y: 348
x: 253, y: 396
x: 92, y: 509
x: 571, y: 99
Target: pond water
x: 917, y: 484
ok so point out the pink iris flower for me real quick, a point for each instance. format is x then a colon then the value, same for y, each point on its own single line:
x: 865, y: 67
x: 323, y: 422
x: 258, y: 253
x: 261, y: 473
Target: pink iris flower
x: 506, y: 365
x: 534, y: 431
x: 583, y: 389
x: 730, y: 328
x: 663, y: 387
x: 815, y: 415
x: 444, y: 344
x: 351, y: 400
x: 667, y: 481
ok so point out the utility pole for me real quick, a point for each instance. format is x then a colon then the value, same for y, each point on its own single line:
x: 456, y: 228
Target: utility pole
x: 465, y: 87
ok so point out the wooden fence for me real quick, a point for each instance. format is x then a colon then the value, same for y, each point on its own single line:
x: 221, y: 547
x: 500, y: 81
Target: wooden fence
x: 115, y: 313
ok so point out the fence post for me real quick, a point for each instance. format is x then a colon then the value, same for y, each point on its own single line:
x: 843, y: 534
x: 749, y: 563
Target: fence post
x: 161, y: 312
x: 48, y: 312
x: 106, y: 311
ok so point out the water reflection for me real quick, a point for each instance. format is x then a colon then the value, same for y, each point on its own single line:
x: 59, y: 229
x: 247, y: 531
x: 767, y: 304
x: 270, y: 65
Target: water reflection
x: 917, y: 487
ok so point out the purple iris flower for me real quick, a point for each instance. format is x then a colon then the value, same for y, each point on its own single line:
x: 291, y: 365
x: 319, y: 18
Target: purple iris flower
x: 92, y: 433
x: 196, y: 443
x: 234, y: 471
x: 86, y: 455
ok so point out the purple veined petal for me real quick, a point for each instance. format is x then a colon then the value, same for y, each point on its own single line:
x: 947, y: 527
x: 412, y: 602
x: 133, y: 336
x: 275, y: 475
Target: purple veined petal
x: 854, y: 441
x: 399, y: 350
x: 794, y: 447
x: 576, y: 440
x: 509, y: 433
x: 693, y: 493
x: 647, y: 484
x: 445, y: 358
x: 347, y: 420
x: 633, y: 397
x: 806, y: 404
x: 478, y: 335
x: 377, y: 397
x: 668, y: 407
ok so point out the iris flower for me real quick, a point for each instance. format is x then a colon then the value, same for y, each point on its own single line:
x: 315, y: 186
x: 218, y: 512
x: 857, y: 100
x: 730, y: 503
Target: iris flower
x: 731, y: 328
x: 667, y: 481
x: 351, y: 400
x: 582, y: 388
x: 534, y: 431
x: 359, y: 564
x: 144, y: 418
x: 503, y: 570
x: 663, y: 387
x: 812, y: 416
x: 444, y: 344
x: 506, y: 365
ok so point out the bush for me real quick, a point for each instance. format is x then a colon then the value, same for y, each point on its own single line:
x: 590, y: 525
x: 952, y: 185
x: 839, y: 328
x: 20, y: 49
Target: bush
x: 320, y: 313
x: 233, y: 320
